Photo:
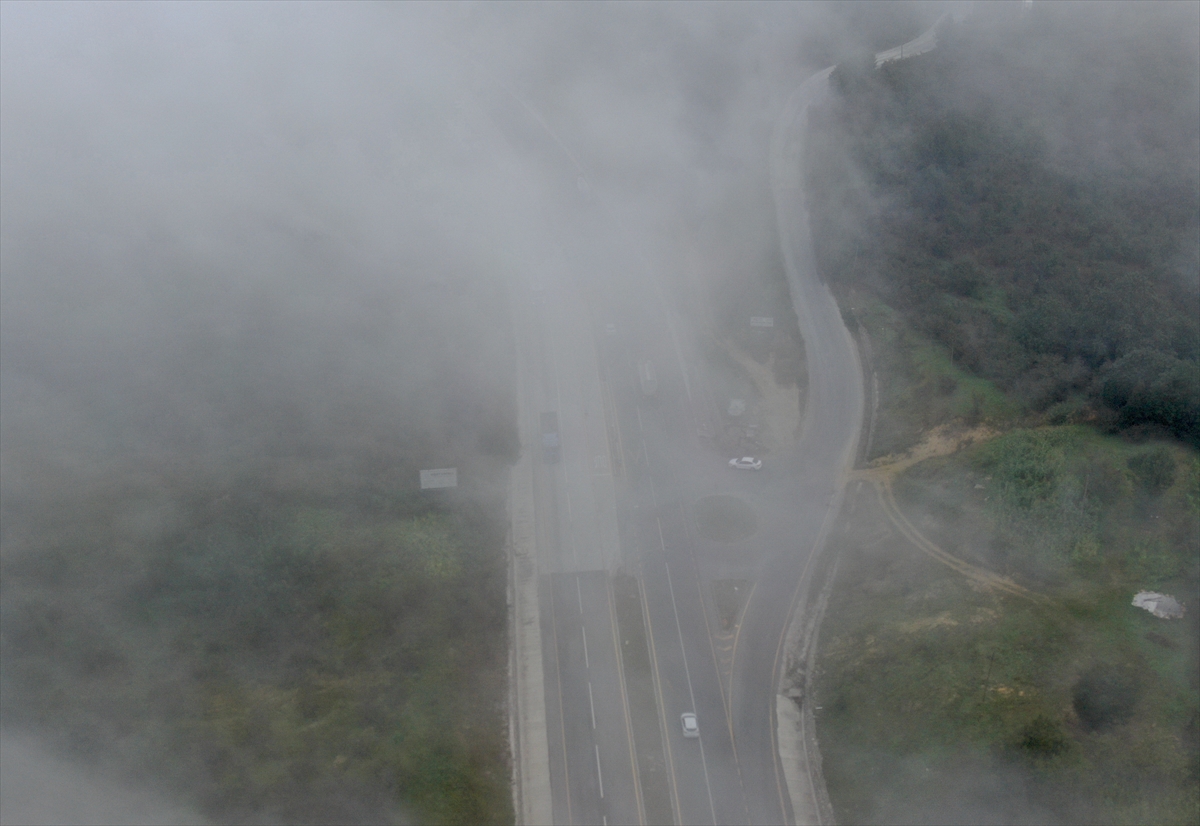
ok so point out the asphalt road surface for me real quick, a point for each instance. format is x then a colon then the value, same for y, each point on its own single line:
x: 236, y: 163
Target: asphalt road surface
x: 627, y: 495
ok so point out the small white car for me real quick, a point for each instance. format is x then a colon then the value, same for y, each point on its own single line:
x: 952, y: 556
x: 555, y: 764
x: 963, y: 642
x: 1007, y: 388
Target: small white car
x: 691, y: 728
x: 746, y: 463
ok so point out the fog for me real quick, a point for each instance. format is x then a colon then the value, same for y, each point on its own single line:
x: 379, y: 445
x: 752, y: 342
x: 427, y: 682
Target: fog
x: 229, y: 234
x: 186, y: 186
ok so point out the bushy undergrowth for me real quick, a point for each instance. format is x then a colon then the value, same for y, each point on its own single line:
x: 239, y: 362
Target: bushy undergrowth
x: 919, y: 385
x: 265, y: 654
x: 1066, y: 510
x: 1064, y: 277
x: 943, y: 703
x: 1014, y: 262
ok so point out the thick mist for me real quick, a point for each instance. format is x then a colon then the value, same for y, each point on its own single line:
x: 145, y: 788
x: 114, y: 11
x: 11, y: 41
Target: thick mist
x: 187, y: 186
x: 277, y: 243
x: 273, y: 247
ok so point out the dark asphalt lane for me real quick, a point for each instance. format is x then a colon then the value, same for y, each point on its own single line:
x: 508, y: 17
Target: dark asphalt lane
x: 670, y: 471
x: 659, y: 534
x: 660, y: 471
x: 596, y: 760
x: 731, y: 774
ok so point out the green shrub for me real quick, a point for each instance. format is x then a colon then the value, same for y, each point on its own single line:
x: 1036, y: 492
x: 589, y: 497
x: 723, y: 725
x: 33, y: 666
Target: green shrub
x: 1153, y: 469
x: 1105, y: 696
x: 1043, y: 737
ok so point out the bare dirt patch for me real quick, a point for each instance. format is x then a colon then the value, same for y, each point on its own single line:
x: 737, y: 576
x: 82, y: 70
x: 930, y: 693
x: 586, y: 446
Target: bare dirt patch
x: 940, y: 441
x: 781, y: 409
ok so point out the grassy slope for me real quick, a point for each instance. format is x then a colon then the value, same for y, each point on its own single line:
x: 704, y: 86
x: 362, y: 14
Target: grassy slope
x: 944, y: 704
x: 306, y: 660
x: 998, y: 284
x: 291, y: 632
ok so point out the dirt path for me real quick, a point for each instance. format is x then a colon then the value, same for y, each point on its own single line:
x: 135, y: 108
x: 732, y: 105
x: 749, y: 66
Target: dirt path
x: 941, y: 441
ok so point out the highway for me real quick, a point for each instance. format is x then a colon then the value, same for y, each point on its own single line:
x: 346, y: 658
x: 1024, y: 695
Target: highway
x: 636, y: 473
x: 624, y: 497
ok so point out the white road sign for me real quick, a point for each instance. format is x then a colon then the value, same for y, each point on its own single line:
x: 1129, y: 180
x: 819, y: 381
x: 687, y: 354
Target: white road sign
x: 761, y: 321
x: 442, y: 477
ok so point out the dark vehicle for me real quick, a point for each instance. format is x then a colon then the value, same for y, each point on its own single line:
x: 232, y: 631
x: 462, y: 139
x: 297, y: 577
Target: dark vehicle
x: 550, y: 443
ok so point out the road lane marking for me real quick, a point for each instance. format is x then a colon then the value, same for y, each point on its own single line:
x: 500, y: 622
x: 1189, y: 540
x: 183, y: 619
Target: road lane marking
x: 737, y: 635
x: 664, y: 729
x: 616, y: 420
x: 645, y: 450
x: 579, y: 593
x: 687, y: 386
x: 712, y: 644
x: 570, y: 534
x: 637, y: 781
x: 561, y: 721
x: 686, y: 672
x: 586, y: 664
x: 726, y: 700
x: 704, y: 763
x: 592, y: 705
x: 599, y: 774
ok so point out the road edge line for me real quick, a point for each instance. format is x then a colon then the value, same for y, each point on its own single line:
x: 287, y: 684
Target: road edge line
x: 529, y: 737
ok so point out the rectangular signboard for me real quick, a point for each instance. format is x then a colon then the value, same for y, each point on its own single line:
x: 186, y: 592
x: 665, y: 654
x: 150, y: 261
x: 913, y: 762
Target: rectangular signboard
x: 761, y: 321
x: 442, y: 477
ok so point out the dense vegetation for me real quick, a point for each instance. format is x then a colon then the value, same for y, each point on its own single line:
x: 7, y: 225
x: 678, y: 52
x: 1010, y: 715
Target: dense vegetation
x: 948, y: 703
x: 280, y: 626
x: 984, y: 194
x: 307, y: 660
x: 1011, y: 220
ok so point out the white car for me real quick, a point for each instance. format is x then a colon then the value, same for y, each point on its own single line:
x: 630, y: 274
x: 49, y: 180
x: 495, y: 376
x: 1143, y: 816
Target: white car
x: 691, y: 728
x: 746, y: 463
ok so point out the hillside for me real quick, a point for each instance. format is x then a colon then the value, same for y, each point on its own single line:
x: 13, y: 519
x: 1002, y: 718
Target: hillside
x: 1024, y: 229
x: 1009, y: 223
x: 253, y: 609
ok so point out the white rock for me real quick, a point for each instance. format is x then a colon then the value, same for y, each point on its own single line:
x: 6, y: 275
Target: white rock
x: 1162, y: 606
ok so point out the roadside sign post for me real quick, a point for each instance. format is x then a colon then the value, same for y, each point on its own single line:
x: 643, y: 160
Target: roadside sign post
x: 444, y: 477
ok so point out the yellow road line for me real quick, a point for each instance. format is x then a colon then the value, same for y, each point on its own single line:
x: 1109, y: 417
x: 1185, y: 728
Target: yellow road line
x: 637, y: 784
x: 716, y: 665
x: 737, y: 634
x: 561, y: 720
x: 662, y: 709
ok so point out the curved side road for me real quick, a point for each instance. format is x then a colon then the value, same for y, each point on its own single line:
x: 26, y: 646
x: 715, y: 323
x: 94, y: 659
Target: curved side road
x: 832, y: 423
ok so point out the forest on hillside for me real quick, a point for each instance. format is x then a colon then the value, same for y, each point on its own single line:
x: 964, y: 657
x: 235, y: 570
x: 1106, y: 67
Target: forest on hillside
x: 1026, y: 197
x: 1010, y: 224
